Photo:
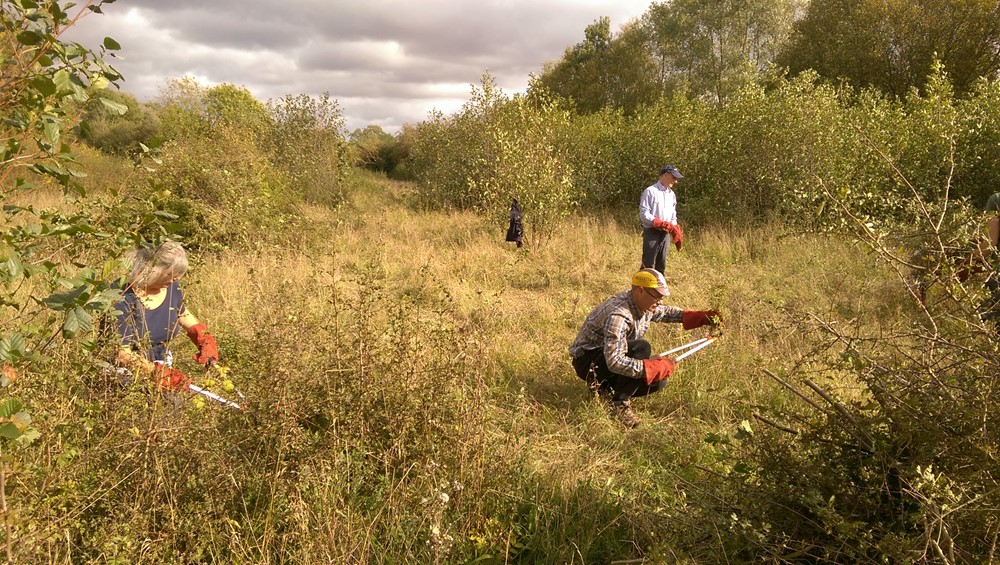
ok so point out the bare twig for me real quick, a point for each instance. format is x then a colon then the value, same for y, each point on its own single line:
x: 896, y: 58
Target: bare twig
x: 3, y: 509
x: 857, y: 431
x: 793, y: 389
x: 774, y: 424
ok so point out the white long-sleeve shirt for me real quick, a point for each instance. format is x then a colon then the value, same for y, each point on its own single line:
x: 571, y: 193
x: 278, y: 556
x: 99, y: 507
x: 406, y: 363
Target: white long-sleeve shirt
x: 657, y: 201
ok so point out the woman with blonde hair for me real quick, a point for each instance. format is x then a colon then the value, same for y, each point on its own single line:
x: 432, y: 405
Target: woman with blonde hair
x: 152, y: 312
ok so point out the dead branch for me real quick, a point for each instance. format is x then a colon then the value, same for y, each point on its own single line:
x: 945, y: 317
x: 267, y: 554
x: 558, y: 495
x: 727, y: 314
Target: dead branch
x: 793, y: 389
x: 774, y: 424
x: 860, y: 434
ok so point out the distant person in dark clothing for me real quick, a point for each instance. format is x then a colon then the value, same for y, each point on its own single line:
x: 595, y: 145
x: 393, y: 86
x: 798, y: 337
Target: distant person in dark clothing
x: 152, y: 313
x: 515, y: 232
x: 992, y: 309
x: 993, y: 219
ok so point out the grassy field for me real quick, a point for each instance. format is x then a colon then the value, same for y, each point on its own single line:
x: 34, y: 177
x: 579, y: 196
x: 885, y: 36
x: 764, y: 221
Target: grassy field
x: 410, y: 399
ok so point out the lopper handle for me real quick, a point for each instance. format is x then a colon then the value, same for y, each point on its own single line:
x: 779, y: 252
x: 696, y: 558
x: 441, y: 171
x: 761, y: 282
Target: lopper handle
x: 685, y: 346
x: 214, y: 396
x: 708, y: 341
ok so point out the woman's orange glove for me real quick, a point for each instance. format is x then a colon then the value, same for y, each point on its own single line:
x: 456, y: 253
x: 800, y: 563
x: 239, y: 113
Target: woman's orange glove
x: 170, y: 379
x: 208, y: 350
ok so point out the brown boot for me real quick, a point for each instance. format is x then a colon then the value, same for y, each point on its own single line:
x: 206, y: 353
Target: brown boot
x: 622, y: 409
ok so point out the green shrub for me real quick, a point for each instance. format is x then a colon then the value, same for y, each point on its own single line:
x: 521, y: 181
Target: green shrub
x: 119, y: 133
x: 498, y: 149
x: 978, y: 145
x: 306, y: 143
x: 216, y: 191
x: 882, y: 449
x: 234, y: 170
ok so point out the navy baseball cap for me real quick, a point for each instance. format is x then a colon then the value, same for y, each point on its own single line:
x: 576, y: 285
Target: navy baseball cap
x: 672, y: 170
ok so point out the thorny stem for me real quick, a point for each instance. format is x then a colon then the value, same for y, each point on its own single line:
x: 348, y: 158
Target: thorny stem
x: 3, y: 510
x: 875, y: 245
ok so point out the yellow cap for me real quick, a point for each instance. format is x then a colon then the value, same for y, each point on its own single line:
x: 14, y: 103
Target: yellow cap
x: 651, y: 278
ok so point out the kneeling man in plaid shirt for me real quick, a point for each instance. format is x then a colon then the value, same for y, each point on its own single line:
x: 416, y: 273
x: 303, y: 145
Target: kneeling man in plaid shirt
x: 610, y: 354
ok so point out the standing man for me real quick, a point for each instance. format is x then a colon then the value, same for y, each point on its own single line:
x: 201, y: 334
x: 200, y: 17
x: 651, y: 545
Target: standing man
x: 611, y: 356
x: 658, y: 215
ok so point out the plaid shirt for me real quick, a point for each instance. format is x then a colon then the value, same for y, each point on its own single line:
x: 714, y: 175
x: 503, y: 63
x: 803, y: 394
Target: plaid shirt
x: 612, y: 324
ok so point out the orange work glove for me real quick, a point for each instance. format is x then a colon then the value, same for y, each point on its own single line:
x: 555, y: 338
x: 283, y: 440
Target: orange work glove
x: 678, y: 236
x: 208, y: 350
x: 657, y: 369
x: 697, y: 318
x: 170, y: 379
x: 662, y: 225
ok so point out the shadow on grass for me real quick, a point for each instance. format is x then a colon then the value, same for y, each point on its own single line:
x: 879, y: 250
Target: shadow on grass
x: 586, y: 521
x: 555, y: 386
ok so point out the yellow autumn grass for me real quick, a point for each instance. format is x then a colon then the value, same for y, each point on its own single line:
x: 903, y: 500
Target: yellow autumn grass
x: 527, y: 431
x: 526, y: 306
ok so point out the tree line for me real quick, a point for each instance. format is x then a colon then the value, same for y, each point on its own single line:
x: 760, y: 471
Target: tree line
x: 770, y: 105
x: 712, y: 49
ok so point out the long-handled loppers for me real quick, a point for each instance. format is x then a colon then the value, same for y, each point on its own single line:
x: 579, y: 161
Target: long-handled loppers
x: 693, y: 347
x: 215, y: 397
x: 223, y: 371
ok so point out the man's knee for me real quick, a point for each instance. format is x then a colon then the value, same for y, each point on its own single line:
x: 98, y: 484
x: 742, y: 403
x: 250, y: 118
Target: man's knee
x: 640, y: 349
x: 583, y: 367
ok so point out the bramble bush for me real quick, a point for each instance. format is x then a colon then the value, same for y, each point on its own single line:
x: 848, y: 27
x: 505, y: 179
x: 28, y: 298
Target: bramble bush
x: 882, y: 445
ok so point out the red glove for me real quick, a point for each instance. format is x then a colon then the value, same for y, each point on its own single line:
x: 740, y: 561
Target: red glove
x: 170, y: 379
x: 657, y: 369
x: 697, y: 318
x: 208, y: 350
x: 662, y: 225
x: 678, y: 236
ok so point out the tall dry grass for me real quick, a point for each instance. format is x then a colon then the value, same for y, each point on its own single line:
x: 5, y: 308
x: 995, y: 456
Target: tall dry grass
x: 410, y: 399
x: 522, y: 307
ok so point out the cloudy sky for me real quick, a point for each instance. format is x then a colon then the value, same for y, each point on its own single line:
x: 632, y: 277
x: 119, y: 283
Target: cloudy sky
x: 387, y: 62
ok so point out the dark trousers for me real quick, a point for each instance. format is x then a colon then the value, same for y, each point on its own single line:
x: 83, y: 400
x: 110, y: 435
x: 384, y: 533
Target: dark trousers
x: 592, y: 367
x: 655, y: 247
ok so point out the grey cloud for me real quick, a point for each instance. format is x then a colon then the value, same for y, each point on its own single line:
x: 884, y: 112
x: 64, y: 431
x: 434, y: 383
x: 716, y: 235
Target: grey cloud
x: 388, y: 61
